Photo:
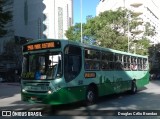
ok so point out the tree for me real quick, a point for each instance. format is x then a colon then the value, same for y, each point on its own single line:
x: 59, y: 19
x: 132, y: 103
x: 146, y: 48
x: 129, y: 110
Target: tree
x: 139, y: 38
x: 110, y: 29
x: 74, y: 32
x: 154, y: 57
x: 4, y: 18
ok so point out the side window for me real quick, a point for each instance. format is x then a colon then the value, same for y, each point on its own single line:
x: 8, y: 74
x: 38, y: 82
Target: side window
x: 139, y: 62
x: 92, y: 59
x: 118, y: 62
x: 144, y: 64
x: 133, y: 65
x: 126, y: 62
x: 107, y: 61
x: 72, y: 62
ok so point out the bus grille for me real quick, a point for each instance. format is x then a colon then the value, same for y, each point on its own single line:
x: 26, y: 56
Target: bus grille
x: 36, y: 87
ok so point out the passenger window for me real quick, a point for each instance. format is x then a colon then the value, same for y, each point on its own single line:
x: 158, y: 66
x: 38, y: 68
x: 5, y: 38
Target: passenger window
x: 92, y: 59
x: 107, y: 61
x: 139, y: 62
x: 118, y: 62
x: 133, y: 65
x: 126, y: 62
x: 144, y: 64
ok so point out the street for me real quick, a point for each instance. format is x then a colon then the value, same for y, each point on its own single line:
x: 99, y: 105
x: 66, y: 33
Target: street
x: 147, y: 98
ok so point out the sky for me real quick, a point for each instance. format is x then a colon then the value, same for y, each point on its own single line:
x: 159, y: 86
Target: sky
x: 88, y: 8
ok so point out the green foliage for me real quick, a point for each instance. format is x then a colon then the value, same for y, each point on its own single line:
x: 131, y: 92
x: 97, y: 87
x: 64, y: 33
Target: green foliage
x: 110, y: 29
x: 141, y: 46
x: 74, y: 32
x: 4, y: 18
x: 154, y: 49
x: 154, y: 57
x: 150, y: 30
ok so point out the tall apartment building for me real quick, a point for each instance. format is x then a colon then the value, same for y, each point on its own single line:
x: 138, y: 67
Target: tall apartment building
x: 36, y: 19
x: 148, y: 12
x: 8, y: 6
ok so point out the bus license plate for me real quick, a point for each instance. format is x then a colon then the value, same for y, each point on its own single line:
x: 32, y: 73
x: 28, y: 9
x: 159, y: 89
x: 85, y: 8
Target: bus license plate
x: 33, y: 98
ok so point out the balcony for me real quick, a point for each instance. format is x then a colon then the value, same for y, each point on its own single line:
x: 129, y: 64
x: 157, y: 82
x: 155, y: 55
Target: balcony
x: 136, y: 14
x: 138, y: 30
x: 139, y: 21
x: 136, y: 4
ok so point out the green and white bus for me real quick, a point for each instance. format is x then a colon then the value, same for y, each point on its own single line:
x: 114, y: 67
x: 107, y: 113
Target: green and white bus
x: 61, y: 71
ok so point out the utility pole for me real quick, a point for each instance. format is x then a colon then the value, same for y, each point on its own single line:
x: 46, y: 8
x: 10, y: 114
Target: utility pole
x: 81, y: 24
x: 128, y: 33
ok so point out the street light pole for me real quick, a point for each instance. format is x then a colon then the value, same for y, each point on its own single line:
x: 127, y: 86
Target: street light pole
x: 128, y: 35
x: 81, y: 24
x: 134, y: 48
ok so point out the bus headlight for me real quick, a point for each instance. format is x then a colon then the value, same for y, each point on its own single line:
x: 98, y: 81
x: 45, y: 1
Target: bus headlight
x: 49, y: 92
x: 23, y: 90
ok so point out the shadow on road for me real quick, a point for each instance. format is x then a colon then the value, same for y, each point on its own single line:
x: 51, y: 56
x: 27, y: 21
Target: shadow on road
x: 9, y: 90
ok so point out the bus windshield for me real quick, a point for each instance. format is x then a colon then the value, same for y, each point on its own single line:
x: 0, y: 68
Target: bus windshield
x: 42, y: 66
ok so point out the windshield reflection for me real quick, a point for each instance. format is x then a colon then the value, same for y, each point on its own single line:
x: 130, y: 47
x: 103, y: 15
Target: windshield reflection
x: 42, y: 66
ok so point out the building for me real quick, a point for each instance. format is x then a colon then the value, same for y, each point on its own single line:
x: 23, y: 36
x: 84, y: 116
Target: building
x: 8, y: 6
x: 147, y: 12
x: 43, y: 18
x: 36, y: 19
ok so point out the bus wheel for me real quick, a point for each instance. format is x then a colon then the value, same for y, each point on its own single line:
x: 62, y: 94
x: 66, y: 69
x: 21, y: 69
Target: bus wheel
x: 133, y: 87
x: 91, y: 96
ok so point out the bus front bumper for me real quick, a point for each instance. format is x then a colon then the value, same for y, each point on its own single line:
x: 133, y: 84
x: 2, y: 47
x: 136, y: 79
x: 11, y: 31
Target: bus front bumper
x: 53, y: 99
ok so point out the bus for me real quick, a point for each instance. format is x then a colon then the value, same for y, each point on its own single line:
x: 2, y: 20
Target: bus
x: 61, y: 71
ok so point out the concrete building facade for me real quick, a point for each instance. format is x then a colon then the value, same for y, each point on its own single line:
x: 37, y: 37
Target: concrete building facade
x: 148, y: 12
x: 36, y: 19
x: 8, y: 6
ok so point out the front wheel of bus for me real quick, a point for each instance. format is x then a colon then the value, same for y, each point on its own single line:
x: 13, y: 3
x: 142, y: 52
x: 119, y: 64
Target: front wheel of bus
x: 91, y: 96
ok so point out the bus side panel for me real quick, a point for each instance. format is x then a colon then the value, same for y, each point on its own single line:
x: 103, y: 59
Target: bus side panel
x: 105, y: 89
x: 122, y: 80
x: 144, y: 80
x: 114, y: 82
x: 76, y: 93
x: 105, y: 84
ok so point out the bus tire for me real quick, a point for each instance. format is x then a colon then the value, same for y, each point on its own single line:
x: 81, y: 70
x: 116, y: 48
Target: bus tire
x: 133, y: 87
x: 91, y: 95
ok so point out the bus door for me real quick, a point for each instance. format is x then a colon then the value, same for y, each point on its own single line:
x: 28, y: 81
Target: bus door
x: 72, y: 73
x: 72, y: 62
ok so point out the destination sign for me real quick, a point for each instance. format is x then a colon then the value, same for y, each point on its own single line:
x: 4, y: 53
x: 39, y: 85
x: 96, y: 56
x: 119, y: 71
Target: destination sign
x: 40, y: 46
x: 90, y: 75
